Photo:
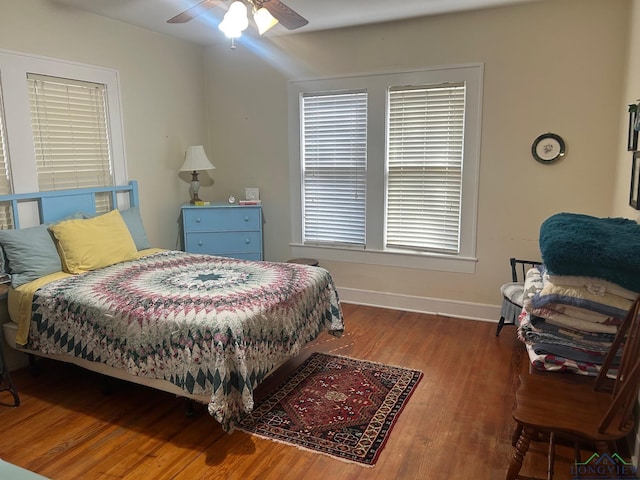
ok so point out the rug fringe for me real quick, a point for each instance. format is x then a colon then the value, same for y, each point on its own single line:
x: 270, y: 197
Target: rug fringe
x: 300, y: 447
x: 376, y: 363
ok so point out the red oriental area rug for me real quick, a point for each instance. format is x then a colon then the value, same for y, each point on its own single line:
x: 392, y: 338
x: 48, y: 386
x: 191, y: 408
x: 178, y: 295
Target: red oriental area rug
x: 335, y: 405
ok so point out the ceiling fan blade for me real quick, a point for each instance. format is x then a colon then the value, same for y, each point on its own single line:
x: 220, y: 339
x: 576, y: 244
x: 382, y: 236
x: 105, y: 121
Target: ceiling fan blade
x: 193, y: 12
x: 287, y: 17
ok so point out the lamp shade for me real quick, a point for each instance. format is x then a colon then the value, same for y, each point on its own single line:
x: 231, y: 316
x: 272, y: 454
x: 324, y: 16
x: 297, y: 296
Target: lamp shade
x: 264, y: 20
x: 195, y: 159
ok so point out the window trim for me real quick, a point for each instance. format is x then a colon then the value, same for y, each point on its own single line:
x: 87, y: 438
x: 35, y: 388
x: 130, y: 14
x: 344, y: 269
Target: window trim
x: 13, y: 77
x: 376, y: 85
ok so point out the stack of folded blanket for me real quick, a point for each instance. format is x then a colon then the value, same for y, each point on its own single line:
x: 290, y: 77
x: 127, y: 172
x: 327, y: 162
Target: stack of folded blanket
x: 575, y: 302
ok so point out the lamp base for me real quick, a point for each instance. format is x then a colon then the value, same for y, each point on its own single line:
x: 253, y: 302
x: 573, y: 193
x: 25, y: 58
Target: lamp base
x: 195, y: 186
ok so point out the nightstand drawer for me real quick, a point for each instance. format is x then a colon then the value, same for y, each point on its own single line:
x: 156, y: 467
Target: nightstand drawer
x: 221, y: 219
x: 222, y: 243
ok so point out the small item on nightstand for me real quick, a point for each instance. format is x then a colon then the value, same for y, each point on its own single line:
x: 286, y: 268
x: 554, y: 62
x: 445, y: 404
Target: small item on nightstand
x: 250, y: 202
x: 252, y: 193
x: 200, y: 203
x: 232, y: 199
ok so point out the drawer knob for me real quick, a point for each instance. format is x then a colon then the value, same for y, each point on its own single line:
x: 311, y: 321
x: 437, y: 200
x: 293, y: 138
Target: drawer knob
x: 247, y: 241
x: 198, y: 220
x: 200, y: 243
x: 246, y: 218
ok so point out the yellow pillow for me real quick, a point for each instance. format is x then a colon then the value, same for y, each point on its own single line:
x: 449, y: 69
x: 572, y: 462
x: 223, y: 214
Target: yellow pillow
x: 89, y: 244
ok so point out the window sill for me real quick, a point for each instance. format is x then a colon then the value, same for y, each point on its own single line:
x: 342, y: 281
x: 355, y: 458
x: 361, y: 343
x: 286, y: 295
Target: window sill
x: 422, y: 261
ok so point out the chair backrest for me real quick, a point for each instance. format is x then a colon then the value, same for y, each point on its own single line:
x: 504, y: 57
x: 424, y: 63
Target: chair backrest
x: 626, y: 386
x: 521, y: 267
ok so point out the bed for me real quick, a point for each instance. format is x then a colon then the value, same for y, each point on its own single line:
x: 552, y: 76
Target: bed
x: 88, y: 289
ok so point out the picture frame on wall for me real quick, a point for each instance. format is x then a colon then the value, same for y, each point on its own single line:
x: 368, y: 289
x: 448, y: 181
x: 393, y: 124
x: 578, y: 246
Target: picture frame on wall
x: 632, y: 135
x: 634, y: 192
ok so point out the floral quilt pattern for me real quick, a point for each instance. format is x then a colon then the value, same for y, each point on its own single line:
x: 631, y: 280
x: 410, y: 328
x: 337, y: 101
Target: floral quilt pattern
x: 206, y: 324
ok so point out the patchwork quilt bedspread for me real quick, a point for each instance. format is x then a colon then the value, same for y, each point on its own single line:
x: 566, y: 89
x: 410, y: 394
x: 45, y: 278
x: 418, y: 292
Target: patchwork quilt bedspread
x: 209, y: 325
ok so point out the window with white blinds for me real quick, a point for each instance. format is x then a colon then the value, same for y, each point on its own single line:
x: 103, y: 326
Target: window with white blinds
x: 62, y: 127
x: 70, y: 134
x: 334, y: 164
x: 387, y: 177
x: 424, y: 167
x: 6, y: 219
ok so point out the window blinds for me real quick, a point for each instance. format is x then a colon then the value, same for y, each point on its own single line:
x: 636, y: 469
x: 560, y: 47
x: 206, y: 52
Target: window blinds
x: 424, y: 162
x: 6, y: 219
x: 334, y: 158
x: 71, y: 135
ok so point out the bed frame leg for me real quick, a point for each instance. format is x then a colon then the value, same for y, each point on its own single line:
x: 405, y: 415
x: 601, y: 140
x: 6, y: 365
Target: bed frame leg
x: 188, y: 410
x: 33, y: 366
x: 108, y: 386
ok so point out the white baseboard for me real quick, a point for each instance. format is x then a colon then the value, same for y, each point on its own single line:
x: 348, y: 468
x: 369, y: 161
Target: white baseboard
x: 434, y: 306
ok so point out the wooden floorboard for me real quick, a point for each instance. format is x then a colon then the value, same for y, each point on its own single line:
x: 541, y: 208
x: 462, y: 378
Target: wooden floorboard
x: 457, y: 424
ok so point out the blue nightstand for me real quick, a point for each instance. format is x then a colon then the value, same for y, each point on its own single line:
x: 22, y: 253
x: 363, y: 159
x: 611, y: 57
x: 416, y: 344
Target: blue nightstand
x: 224, y: 230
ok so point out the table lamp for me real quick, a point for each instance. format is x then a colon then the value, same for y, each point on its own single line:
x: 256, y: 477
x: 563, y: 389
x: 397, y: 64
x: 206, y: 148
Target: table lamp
x: 195, y: 159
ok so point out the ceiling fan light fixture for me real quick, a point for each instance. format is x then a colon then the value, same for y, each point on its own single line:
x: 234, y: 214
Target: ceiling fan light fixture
x: 285, y: 15
x: 264, y: 20
x: 229, y: 30
x: 235, y: 21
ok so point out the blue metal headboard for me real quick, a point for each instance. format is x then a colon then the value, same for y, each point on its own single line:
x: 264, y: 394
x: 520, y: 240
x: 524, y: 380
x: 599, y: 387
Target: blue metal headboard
x: 59, y: 204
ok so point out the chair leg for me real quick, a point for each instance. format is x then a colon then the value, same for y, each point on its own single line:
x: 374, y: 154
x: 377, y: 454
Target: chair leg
x: 516, y: 434
x: 603, y: 447
x: 521, y: 450
x: 500, y: 325
x: 552, y: 456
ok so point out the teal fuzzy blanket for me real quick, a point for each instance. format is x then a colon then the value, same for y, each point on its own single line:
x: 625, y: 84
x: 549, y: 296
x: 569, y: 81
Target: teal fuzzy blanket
x: 607, y: 248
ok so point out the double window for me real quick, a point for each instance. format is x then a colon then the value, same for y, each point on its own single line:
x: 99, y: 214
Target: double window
x: 385, y: 167
x: 75, y: 134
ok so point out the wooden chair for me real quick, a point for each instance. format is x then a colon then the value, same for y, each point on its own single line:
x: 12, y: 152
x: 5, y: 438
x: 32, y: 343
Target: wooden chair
x: 513, y: 292
x: 581, y: 413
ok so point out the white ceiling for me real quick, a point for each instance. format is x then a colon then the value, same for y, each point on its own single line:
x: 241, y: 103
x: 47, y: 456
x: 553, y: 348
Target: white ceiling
x: 322, y: 14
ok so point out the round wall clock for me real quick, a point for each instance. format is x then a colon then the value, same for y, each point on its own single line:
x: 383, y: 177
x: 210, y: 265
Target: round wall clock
x: 548, y: 148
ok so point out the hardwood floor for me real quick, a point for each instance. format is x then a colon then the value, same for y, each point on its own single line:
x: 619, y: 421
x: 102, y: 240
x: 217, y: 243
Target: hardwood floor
x: 457, y: 424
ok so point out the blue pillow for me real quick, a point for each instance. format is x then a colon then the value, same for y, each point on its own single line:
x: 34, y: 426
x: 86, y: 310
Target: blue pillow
x: 132, y: 219
x: 30, y: 254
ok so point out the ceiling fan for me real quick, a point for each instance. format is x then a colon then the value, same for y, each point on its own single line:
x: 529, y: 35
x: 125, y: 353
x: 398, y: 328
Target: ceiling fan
x: 266, y: 13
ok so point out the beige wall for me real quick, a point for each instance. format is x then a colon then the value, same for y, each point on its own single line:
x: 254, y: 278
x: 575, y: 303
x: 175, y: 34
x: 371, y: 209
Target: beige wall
x: 630, y: 94
x: 556, y: 65
x: 162, y: 92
